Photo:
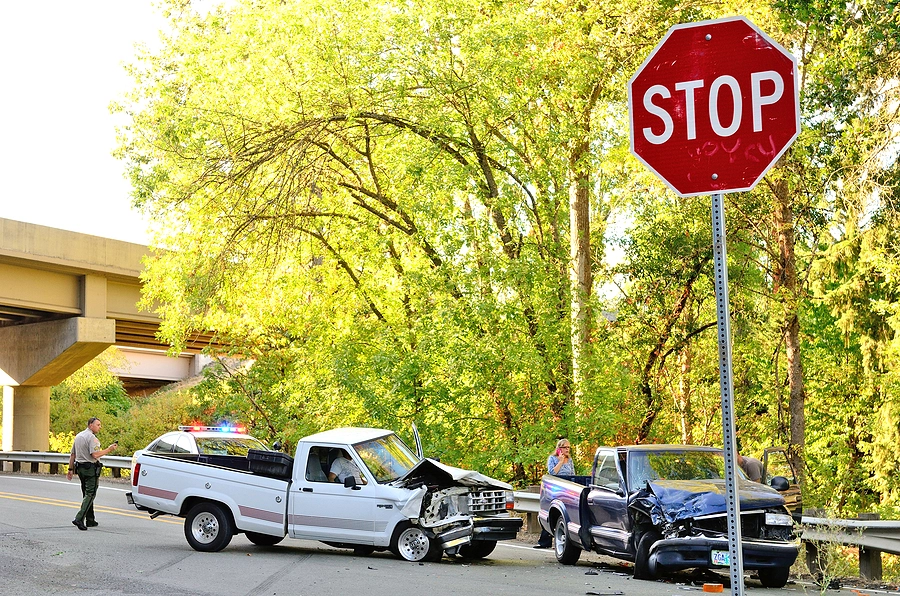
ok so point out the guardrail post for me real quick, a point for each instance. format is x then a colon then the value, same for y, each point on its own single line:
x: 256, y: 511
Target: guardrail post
x: 812, y: 546
x: 869, y: 558
x: 532, y: 526
x: 54, y: 468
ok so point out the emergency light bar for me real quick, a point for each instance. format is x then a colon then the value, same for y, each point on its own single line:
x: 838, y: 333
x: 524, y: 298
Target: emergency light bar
x: 220, y: 429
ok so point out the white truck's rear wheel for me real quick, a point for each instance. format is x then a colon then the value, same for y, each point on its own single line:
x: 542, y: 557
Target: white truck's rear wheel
x: 208, y: 527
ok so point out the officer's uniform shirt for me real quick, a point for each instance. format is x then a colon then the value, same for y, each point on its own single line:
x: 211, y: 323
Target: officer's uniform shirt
x: 86, y: 443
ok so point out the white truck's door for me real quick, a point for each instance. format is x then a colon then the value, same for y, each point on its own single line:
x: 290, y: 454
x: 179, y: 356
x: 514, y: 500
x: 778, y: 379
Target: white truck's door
x: 328, y: 511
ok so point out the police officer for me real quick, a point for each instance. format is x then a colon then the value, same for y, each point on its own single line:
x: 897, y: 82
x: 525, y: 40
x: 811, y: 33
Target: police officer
x: 85, y: 461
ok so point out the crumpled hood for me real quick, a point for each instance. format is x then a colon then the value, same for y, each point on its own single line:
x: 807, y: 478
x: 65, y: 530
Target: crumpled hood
x: 429, y: 468
x: 673, y: 500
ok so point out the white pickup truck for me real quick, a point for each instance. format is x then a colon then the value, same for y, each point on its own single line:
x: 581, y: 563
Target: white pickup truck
x: 416, y: 507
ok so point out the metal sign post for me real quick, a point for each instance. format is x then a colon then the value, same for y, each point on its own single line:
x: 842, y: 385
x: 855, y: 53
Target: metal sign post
x: 723, y: 318
x: 699, y: 145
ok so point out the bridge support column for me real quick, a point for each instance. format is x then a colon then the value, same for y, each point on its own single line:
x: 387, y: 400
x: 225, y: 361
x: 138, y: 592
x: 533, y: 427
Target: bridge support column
x: 26, y: 418
x: 35, y: 357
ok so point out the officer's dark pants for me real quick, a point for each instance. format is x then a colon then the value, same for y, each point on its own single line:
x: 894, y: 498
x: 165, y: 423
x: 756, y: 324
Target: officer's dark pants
x: 546, y: 539
x: 89, y: 480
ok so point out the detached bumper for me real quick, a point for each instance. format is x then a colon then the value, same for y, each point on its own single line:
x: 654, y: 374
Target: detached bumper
x: 687, y: 553
x: 496, y: 528
x: 479, y: 528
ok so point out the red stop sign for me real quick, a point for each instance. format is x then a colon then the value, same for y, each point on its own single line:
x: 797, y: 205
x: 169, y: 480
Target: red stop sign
x: 714, y: 106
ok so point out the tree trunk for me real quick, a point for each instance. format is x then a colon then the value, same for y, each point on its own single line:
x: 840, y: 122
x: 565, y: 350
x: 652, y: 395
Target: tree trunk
x: 580, y: 252
x: 786, y: 286
x: 581, y: 278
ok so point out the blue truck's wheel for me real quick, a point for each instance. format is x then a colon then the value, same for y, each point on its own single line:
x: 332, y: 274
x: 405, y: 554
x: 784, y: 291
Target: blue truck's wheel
x: 566, y: 552
x: 642, y: 567
x: 208, y: 527
x: 775, y: 577
x: 263, y: 539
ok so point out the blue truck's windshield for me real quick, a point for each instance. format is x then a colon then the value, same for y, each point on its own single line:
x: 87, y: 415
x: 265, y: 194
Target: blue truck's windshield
x: 674, y: 465
x: 387, y: 458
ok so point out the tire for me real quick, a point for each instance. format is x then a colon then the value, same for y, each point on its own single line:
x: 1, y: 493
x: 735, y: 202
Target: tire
x: 477, y: 550
x: 263, y: 539
x: 566, y: 552
x: 363, y: 550
x: 774, y: 577
x: 208, y: 527
x: 642, y: 567
x: 412, y: 543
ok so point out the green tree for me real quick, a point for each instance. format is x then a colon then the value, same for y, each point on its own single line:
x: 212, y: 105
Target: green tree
x: 403, y: 172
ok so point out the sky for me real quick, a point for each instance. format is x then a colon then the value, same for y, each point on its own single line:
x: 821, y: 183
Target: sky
x: 61, y: 65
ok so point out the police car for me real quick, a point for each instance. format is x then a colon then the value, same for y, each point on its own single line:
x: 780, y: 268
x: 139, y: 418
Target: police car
x: 203, y: 443
x: 209, y: 440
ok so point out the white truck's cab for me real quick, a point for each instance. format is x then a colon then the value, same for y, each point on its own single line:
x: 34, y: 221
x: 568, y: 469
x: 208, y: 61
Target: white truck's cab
x: 389, y: 498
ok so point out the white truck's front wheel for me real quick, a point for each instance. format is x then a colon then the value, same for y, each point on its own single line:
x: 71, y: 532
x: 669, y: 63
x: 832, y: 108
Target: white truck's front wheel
x: 412, y: 543
x: 208, y: 527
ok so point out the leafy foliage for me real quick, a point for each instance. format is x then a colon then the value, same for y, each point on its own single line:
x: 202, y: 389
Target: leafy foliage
x: 372, y: 204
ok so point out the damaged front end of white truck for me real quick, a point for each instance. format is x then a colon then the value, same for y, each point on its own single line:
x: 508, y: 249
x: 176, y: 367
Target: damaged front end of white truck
x: 460, y: 512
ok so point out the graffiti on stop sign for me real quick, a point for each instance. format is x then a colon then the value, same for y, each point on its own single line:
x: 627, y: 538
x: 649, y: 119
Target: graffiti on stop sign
x: 757, y: 152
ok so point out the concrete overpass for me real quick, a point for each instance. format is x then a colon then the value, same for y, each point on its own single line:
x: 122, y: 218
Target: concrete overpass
x: 64, y: 298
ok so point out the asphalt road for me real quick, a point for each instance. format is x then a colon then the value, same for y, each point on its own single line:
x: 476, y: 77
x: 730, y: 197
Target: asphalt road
x: 41, y: 553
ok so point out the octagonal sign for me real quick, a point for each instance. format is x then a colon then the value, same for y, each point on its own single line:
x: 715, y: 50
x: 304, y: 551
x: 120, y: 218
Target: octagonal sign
x: 714, y: 106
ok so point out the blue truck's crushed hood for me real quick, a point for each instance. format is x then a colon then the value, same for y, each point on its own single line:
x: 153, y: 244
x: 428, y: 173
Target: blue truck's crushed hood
x: 673, y: 500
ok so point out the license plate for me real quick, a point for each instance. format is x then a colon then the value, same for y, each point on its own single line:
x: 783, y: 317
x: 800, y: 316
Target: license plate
x: 721, y: 557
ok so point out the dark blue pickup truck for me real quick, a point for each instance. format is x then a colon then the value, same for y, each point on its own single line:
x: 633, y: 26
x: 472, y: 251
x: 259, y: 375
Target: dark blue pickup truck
x: 663, y: 507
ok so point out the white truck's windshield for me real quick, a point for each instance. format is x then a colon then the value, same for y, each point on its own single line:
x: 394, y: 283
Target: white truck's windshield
x: 387, y: 458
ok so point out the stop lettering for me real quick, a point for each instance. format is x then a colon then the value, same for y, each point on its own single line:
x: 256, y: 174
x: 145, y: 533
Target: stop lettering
x: 714, y: 106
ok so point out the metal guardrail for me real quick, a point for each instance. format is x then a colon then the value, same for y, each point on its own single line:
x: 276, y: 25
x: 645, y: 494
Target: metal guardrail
x: 54, y: 460
x: 526, y: 502
x: 883, y: 535
x: 871, y: 535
